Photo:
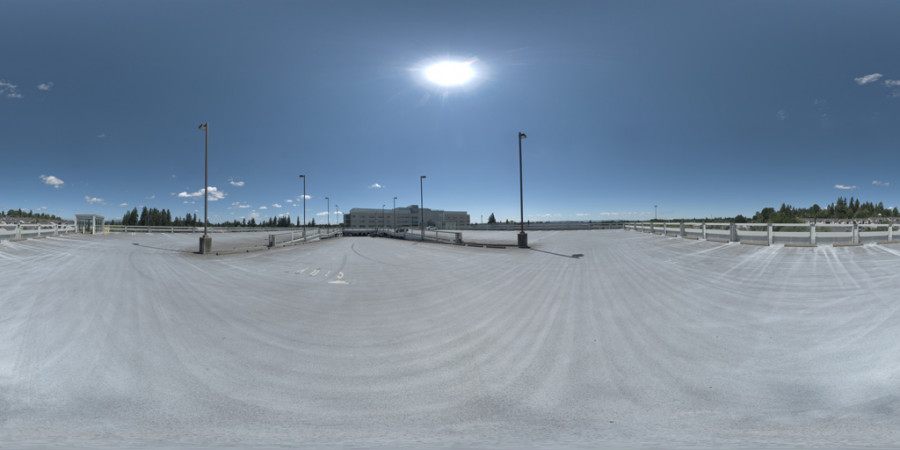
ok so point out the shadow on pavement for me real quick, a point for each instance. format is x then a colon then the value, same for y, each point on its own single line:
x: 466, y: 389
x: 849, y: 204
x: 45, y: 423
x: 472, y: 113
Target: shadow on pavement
x: 575, y: 256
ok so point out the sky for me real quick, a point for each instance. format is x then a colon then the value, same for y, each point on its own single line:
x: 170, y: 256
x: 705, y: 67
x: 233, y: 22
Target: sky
x: 704, y: 108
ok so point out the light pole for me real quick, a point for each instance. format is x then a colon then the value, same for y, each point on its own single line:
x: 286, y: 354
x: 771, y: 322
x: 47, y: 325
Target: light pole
x: 654, y: 212
x: 422, y: 206
x: 205, y: 240
x: 383, y: 225
x: 304, y: 200
x: 523, y: 238
x: 336, y: 209
x: 328, y: 211
x: 394, y: 221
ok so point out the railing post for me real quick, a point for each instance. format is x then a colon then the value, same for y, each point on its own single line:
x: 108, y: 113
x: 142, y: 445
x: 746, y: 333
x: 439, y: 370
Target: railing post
x: 682, y: 230
x: 18, y: 231
x: 890, y: 231
x: 703, y: 231
x: 855, y: 235
x: 769, y: 233
x: 812, y: 234
x: 734, y: 234
x: 652, y: 230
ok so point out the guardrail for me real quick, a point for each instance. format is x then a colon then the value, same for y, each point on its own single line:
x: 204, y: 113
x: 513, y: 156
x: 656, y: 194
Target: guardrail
x: 19, y: 231
x: 171, y: 229
x: 799, y: 234
x: 298, y: 236
x: 451, y: 237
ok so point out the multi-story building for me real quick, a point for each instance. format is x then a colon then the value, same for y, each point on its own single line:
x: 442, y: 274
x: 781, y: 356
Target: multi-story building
x: 407, y: 217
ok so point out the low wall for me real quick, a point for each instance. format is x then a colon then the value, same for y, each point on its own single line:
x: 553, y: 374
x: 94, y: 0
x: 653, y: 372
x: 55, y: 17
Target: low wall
x: 774, y: 233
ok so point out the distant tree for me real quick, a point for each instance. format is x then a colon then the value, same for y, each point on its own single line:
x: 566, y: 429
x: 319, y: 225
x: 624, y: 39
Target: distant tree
x: 491, y: 219
x: 740, y: 219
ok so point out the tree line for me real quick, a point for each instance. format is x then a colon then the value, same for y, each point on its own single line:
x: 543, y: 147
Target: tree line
x: 31, y: 215
x: 163, y: 218
x: 840, y: 209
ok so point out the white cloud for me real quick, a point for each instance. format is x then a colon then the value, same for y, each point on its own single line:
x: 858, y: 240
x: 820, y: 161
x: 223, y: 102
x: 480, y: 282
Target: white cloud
x: 820, y: 102
x: 276, y: 205
x: 11, y: 90
x: 871, y: 78
x: 892, y: 83
x: 52, y: 181
x: 376, y: 186
x: 45, y: 86
x: 289, y: 201
x: 263, y: 207
x: 253, y: 215
x: 42, y: 208
x: 236, y: 183
x: 582, y: 214
x: 214, y: 194
x: 123, y: 204
x: 325, y: 213
x: 338, y: 213
x: 101, y: 135
x: 174, y: 176
x: 781, y: 114
x: 151, y: 197
x: 881, y: 183
x: 93, y: 200
x: 841, y: 186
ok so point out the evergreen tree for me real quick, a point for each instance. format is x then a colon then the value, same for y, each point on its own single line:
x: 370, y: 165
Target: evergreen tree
x: 491, y: 219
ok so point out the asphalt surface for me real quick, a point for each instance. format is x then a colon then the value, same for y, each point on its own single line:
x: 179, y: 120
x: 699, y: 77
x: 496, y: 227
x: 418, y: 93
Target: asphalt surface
x: 590, y: 338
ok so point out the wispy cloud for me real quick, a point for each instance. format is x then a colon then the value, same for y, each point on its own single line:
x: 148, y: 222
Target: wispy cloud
x: 263, y: 207
x: 881, y: 183
x: 93, y: 200
x: 101, y: 135
x: 866, y: 79
x: 582, y: 214
x: 289, y: 201
x: 324, y: 213
x: 214, y: 194
x: 781, y: 114
x: 174, y: 176
x: 52, y: 181
x: 123, y: 204
x: 376, y: 186
x: 892, y: 83
x: 11, y: 90
x: 235, y: 183
x: 276, y: 205
x: 841, y: 186
x: 46, y: 86
x: 240, y: 205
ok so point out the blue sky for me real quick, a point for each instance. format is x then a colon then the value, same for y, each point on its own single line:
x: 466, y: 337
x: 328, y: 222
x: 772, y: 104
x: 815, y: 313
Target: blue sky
x: 706, y: 108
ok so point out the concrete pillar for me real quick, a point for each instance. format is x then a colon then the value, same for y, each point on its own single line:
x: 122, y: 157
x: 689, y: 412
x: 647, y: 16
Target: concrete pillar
x: 855, y: 238
x: 890, y: 231
x: 93, y: 224
x: 812, y: 234
x: 703, y: 231
x: 665, y: 230
x: 769, y: 232
x: 18, y: 231
x: 682, y: 230
x: 651, y: 228
x: 56, y: 229
x: 734, y: 234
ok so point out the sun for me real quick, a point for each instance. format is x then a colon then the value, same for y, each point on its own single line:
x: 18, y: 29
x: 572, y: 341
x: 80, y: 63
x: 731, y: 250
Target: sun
x: 450, y: 73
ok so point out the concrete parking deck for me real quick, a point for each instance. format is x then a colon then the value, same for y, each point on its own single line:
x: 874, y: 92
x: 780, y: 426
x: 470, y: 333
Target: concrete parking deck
x: 590, y: 338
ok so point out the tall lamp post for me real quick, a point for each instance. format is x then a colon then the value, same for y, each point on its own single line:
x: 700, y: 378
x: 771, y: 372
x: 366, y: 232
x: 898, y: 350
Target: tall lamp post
x: 328, y: 211
x: 523, y: 238
x: 394, y: 221
x: 422, y: 206
x: 383, y: 225
x: 336, y: 209
x: 205, y: 240
x: 304, y: 200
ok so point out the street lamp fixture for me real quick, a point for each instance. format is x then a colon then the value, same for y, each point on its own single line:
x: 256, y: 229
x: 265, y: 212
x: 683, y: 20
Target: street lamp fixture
x: 422, y: 206
x: 205, y: 240
x: 523, y: 238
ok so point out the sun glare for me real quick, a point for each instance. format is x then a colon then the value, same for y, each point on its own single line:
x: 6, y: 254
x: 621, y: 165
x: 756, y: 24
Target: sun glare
x: 449, y: 73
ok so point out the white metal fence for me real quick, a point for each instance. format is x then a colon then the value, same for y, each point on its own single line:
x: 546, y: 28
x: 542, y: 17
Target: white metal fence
x: 301, y: 235
x: 17, y: 231
x: 774, y: 233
